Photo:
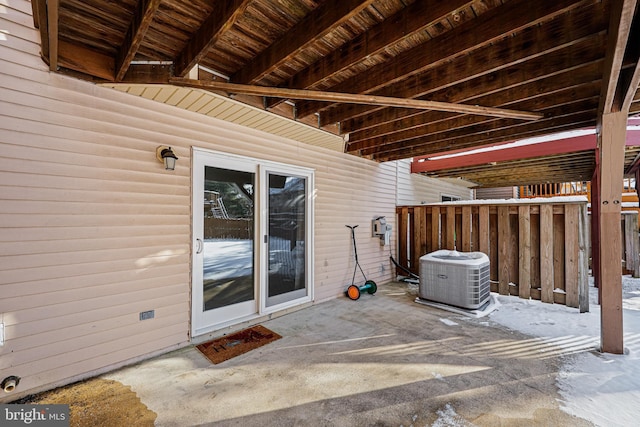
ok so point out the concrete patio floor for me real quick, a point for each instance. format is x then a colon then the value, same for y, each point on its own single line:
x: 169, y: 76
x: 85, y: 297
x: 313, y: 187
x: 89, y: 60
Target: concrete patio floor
x: 382, y: 360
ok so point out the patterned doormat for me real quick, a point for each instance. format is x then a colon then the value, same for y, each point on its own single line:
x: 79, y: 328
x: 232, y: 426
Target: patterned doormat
x: 233, y: 345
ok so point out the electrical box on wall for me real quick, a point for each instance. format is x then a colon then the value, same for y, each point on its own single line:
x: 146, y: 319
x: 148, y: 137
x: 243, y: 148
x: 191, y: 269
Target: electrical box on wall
x: 380, y: 228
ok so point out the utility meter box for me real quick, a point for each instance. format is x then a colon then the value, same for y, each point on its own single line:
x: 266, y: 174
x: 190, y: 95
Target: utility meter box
x: 380, y: 228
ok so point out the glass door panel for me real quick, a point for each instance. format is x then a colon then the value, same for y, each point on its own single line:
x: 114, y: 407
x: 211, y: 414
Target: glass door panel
x: 228, y: 250
x: 287, y: 238
x: 224, y: 229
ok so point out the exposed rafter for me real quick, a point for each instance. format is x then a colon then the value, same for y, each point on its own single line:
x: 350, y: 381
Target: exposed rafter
x: 613, y: 92
x: 142, y: 18
x: 52, y: 28
x: 224, y: 15
x: 416, y: 17
x: 356, y: 99
x: 397, y: 79
x: 472, y: 35
x: 329, y: 16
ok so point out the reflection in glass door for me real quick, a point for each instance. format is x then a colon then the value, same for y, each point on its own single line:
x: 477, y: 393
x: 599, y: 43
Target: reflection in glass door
x: 228, y: 271
x: 287, y: 219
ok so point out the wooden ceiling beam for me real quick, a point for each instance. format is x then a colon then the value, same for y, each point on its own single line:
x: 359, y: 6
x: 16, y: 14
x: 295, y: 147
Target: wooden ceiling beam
x: 473, y: 35
x: 621, y: 17
x: 39, y: 8
x: 52, y: 28
x: 224, y: 16
x: 453, y: 129
x: 568, y: 145
x: 466, y: 90
x: 632, y: 75
x: 571, y: 121
x: 532, y: 96
x: 86, y: 61
x: 564, y: 42
x: 313, y: 27
x: 415, y: 18
x: 354, y: 98
x: 558, y: 163
x: 140, y: 22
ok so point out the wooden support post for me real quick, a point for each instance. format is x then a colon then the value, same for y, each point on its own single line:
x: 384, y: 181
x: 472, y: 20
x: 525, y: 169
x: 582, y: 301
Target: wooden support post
x: 611, y: 140
x: 546, y: 253
x: 504, y: 246
x: 524, y: 255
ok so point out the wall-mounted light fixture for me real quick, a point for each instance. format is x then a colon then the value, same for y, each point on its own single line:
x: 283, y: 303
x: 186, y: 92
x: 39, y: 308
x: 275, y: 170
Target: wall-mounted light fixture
x: 165, y: 155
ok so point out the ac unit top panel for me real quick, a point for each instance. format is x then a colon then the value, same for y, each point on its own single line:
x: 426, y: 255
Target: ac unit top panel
x: 444, y: 256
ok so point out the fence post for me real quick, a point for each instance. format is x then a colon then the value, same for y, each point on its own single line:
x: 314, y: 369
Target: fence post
x: 524, y: 255
x: 504, y: 244
x: 546, y: 253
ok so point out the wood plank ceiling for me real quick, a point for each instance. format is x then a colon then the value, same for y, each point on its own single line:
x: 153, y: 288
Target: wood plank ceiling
x: 396, y: 78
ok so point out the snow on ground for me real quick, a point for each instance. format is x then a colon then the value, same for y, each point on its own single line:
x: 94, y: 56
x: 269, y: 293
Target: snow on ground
x: 602, y: 388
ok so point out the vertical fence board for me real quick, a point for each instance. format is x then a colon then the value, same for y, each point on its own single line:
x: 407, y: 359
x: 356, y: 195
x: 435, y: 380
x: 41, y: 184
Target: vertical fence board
x: 524, y: 256
x: 583, y: 280
x: 466, y: 228
x: 429, y: 227
x: 558, y: 252
x: 504, y: 247
x: 420, y: 236
x: 451, y: 227
x: 493, y: 249
x: 403, y: 233
x: 534, y: 220
x: 435, y: 228
x: 630, y: 235
x: 475, y: 224
x: 546, y: 253
x: 571, y: 253
x: 483, y: 229
x: 514, y: 270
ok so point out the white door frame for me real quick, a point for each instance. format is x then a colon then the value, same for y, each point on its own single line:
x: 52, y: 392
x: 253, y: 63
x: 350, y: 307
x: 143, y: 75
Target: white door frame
x: 202, y: 321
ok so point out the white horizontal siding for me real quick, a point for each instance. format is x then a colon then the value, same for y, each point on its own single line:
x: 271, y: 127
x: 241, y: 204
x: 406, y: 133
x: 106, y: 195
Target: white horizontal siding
x: 93, y: 230
x: 416, y: 189
x: 496, y: 193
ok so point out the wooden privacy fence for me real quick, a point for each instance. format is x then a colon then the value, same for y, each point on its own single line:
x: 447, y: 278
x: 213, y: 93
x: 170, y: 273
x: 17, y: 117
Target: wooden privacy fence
x: 536, y: 251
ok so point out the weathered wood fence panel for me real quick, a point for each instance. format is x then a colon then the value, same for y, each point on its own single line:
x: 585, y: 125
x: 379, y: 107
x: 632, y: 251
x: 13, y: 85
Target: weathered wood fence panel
x: 537, y: 251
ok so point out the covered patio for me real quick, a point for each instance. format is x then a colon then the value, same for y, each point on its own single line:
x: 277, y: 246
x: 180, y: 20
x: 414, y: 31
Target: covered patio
x: 385, y: 360
x: 396, y: 80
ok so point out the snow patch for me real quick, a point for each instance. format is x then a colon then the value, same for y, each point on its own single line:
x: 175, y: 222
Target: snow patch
x: 448, y: 322
x: 602, y: 388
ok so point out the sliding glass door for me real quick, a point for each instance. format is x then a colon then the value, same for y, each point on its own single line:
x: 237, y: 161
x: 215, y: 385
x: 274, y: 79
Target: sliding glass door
x: 252, y: 228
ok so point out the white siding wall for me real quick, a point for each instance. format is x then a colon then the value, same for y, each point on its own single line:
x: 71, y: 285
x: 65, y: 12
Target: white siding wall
x: 415, y: 189
x: 93, y: 230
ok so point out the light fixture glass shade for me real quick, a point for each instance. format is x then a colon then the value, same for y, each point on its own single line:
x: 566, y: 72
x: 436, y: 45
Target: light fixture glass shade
x: 166, y: 155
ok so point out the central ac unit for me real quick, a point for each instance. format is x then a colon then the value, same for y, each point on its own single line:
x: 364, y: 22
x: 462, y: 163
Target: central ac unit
x: 455, y: 278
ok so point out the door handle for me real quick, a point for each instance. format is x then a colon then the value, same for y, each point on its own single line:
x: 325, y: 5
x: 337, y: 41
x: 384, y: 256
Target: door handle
x: 199, y: 246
